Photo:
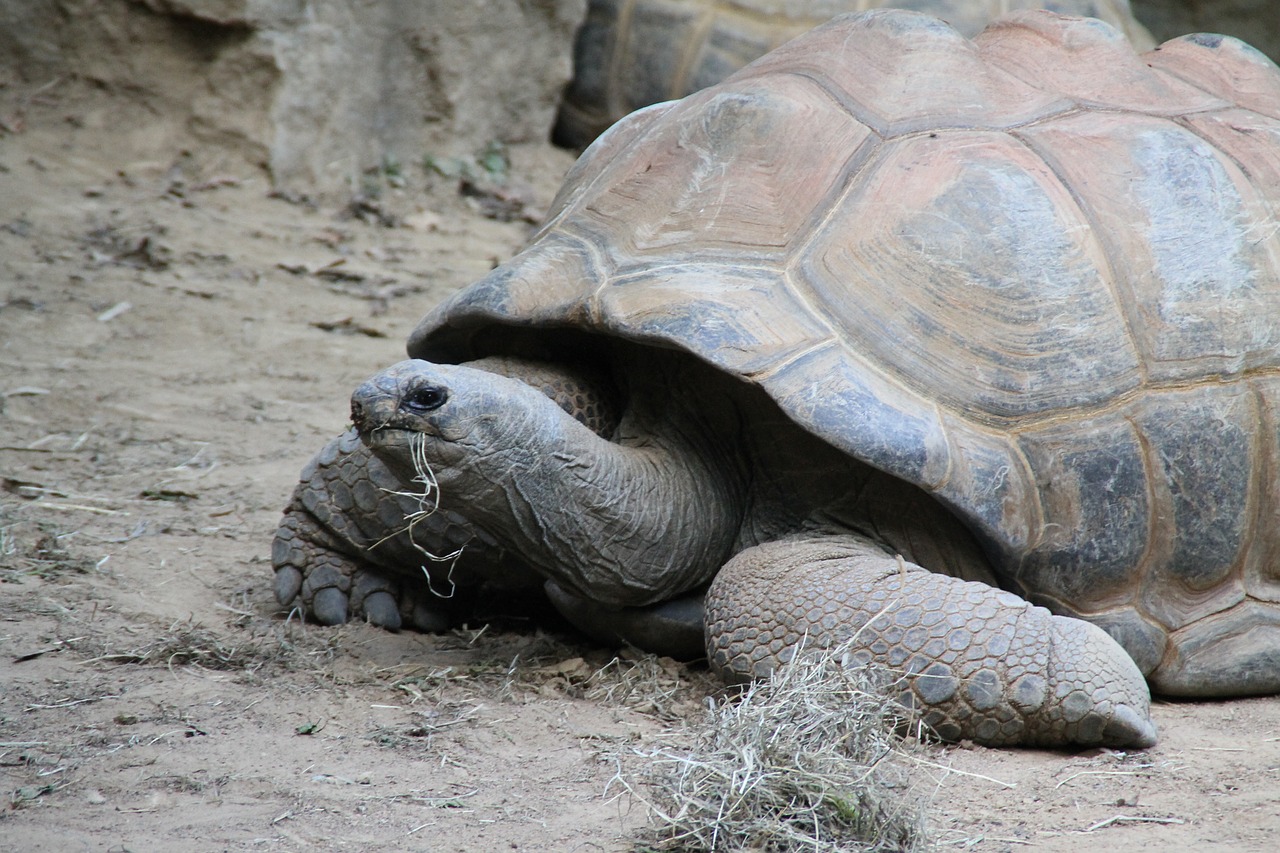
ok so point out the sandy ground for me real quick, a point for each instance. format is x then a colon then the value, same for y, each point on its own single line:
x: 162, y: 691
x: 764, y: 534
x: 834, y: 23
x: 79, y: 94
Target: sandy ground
x: 174, y: 345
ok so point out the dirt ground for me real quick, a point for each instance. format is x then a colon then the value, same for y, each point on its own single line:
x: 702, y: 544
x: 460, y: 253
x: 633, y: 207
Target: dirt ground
x: 174, y: 344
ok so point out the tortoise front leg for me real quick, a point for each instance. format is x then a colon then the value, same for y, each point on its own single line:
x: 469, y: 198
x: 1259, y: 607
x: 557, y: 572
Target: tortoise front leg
x: 355, y: 542
x: 345, y: 548
x: 976, y: 662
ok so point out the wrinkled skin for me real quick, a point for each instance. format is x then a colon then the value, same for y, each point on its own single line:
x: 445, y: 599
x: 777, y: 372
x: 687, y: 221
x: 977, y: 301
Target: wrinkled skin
x: 355, y: 541
x: 714, y: 493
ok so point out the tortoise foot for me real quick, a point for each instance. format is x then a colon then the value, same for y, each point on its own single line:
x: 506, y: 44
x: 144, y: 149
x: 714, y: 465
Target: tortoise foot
x: 974, y: 662
x: 314, y: 574
x: 344, y: 549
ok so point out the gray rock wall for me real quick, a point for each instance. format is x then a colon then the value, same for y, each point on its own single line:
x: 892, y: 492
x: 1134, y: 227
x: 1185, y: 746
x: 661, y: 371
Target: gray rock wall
x: 314, y: 90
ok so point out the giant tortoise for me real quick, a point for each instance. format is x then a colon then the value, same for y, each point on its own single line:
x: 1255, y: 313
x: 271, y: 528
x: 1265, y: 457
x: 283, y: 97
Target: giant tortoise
x: 629, y: 54
x: 967, y: 350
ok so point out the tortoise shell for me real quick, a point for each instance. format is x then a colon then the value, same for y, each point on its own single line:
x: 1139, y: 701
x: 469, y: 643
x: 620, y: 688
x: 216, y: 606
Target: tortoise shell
x: 629, y: 54
x: 1035, y: 274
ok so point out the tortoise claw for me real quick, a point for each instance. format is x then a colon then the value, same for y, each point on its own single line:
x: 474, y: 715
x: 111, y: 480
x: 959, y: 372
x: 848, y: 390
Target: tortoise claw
x: 287, y: 585
x: 381, y: 609
x: 1129, y: 728
x: 329, y: 606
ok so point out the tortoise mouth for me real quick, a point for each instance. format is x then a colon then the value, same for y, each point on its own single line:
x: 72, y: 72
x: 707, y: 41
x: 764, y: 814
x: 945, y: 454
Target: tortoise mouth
x: 389, y: 437
x: 409, y: 452
x: 370, y: 420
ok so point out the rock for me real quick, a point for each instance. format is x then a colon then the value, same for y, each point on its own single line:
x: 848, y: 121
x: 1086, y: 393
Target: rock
x: 315, y: 93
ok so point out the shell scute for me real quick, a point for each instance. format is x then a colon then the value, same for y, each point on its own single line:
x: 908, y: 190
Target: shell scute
x: 1249, y: 140
x: 990, y: 483
x: 831, y: 394
x: 959, y: 262
x: 901, y: 72
x: 1224, y: 67
x: 1063, y: 56
x: 1201, y: 442
x: 740, y: 319
x: 652, y: 51
x: 788, y: 143
x: 1262, y: 567
x: 1192, y: 240
x: 1092, y: 479
x: 608, y: 149
x: 547, y: 287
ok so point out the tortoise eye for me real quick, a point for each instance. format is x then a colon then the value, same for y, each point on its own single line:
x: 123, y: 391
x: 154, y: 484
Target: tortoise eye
x: 425, y: 399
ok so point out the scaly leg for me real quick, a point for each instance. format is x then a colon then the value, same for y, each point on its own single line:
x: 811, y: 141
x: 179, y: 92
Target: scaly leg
x: 975, y: 661
x: 345, y: 548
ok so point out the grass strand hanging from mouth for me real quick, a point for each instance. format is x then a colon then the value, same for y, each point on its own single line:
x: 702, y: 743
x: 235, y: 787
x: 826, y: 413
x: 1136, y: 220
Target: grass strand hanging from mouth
x: 427, y: 499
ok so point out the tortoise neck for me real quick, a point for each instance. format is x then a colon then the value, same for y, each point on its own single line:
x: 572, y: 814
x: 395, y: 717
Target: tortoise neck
x: 584, y: 391
x: 637, y: 518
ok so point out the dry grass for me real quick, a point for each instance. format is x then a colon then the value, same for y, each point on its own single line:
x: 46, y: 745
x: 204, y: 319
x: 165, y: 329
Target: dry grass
x: 185, y: 643
x: 427, y: 497
x: 807, y: 760
x: 639, y: 681
x: 648, y: 684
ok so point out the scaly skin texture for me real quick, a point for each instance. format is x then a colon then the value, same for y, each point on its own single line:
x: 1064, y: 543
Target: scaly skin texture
x: 974, y: 661
x: 625, y: 523
x: 345, y: 548
x: 596, y: 516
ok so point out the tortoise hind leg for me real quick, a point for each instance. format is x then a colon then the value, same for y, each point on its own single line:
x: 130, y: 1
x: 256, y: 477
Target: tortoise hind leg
x: 977, y: 662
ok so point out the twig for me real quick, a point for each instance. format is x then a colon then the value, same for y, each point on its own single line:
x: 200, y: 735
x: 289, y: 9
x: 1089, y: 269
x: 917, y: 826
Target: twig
x: 70, y: 702
x: 26, y: 656
x: 81, y: 507
x: 1219, y: 748
x: 1096, y: 773
x: 973, y: 841
x: 428, y: 501
x: 1130, y: 819
x: 164, y: 735
x: 419, y: 798
x: 919, y: 760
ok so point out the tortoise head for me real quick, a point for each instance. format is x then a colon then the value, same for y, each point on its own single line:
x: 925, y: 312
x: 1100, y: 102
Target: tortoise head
x: 447, y: 416
x: 473, y: 441
x: 402, y: 397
